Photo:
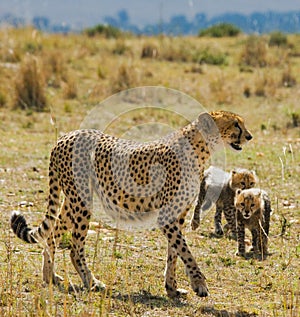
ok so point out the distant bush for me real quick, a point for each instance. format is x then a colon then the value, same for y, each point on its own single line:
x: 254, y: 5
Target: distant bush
x: 254, y: 52
x: 206, y: 56
x: 221, y: 30
x: 278, y: 39
x: 176, y: 51
x: 108, y: 31
x: 29, y: 86
x: 185, y: 51
x: 32, y: 47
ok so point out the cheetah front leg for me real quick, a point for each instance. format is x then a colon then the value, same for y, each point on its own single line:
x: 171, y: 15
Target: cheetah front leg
x: 170, y: 274
x: 229, y: 213
x: 259, y: 243
x: 255, y: 241
x: 241, y: 238
x: 178, y: 247
x: 217, y: 220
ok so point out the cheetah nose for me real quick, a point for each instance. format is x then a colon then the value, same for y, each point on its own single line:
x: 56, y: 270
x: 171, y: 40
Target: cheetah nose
x: 248, y: 137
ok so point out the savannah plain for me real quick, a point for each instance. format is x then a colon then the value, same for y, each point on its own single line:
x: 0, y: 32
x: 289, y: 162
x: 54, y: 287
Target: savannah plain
x: 49, y: 83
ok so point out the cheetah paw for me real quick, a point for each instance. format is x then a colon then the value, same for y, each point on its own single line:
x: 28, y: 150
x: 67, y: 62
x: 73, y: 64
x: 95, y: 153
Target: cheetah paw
x: 199, y: 286
x: 241, y: 254
x: 98, y: 286
x: 178, y: 293
x: 201, y: 291
x: 219, y: 231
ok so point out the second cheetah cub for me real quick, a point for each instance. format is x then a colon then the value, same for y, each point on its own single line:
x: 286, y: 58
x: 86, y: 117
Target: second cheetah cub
x: 253, y: 210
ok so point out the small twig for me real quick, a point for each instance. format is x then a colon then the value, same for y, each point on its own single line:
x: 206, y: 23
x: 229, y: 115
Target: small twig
x: 54, y: 123
x: 284, y: 152
x: 282, y: 168
x: 263, y: 230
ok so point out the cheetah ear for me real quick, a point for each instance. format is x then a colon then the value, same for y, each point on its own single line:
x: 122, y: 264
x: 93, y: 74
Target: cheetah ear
x: 207, y: 124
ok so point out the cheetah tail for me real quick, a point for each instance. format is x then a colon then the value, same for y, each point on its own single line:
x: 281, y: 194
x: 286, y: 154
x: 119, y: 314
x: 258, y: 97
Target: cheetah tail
x: 20, y: 228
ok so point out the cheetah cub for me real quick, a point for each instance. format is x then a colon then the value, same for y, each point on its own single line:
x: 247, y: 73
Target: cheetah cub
x: 219, y: 187
x: 253, y: 210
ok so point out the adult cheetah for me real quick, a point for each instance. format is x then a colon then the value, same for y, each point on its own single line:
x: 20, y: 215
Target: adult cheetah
x: 155, y: 181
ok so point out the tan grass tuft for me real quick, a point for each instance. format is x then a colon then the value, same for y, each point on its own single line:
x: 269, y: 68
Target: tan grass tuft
x: 287, y: 77
x: 126, y: 78
x: 254, y: 52
x: 55, y: 69
x: 69, y: 87
x: 149, y: 51
x: 29, y: 86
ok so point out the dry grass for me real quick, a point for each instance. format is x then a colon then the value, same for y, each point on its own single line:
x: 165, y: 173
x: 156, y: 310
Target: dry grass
x: 29, y: 86
x: 255, y: 52
x: 132, y: 264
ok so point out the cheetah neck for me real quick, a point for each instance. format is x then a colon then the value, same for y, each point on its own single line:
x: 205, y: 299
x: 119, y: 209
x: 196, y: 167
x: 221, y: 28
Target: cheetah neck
x: 203, y: 147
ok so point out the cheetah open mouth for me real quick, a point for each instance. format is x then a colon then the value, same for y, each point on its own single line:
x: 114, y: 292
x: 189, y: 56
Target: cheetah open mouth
x: 236, y: 146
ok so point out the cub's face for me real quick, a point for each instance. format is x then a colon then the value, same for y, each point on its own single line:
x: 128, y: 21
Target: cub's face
x: 247, y: 202
x: 243, y: 179
x: 232, y: 129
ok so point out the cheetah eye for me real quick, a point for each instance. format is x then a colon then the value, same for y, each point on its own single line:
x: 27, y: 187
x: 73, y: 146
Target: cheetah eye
x: 243, y: 183
x: 236, y: 124
x: 252, y: 184
x: 243, y: 204
x: 252, y: 205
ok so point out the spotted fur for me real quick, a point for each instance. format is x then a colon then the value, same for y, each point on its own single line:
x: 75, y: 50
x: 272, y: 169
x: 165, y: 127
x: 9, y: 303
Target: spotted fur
x: 135, y: 182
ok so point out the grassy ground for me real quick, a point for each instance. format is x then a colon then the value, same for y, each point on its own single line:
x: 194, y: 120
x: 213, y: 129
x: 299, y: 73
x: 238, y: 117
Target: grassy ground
x: 79, y: 72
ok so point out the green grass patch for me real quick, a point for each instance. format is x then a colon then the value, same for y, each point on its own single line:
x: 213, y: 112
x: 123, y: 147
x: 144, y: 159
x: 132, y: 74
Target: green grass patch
x: 221, y: 30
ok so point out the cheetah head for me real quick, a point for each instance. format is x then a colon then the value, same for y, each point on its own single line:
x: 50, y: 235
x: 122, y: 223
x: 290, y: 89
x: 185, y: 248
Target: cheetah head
x: 247, y: 202
x: 232, y: 129
x: 241, y: 178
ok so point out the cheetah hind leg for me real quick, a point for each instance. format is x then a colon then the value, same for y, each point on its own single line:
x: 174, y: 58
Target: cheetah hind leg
x: 78, y: 255
x: 48, y: 266
x: 62, y: 224
x: 230, y: 229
